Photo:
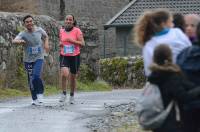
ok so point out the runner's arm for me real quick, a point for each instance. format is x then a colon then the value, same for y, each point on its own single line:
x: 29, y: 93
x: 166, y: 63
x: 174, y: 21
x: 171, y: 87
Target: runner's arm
x: 45, y: 38
x: 18, y: 39
x: 80, y: 41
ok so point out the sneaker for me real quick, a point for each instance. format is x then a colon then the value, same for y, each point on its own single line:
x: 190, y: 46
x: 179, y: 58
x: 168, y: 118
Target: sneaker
x: 71, y: 100
x: 35, y: 102
x: 40, y: 98
x: 62, y: 98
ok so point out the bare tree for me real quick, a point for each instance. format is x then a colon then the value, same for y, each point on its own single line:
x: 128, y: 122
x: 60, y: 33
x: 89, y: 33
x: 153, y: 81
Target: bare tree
x: 62, y: 9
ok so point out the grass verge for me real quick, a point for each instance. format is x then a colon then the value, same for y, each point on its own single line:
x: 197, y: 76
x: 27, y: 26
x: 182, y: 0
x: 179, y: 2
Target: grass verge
x: 6, y: 93
x: 94, y: 86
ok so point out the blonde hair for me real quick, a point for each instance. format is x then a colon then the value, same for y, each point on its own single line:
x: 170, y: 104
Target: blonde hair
x: 148, y: 24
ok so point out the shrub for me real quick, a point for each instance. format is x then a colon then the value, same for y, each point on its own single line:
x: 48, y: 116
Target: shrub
x: 86, y: 74
x: 127, y: 71
x: 138, y: 70
x: 114, y: 70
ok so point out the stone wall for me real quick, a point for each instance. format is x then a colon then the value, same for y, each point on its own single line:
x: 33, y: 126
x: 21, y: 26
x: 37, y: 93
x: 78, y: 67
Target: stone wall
x: 11, y: 65
x: 123, y: 71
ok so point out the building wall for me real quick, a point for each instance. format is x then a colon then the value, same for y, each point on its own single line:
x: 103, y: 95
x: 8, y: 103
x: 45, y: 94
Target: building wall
x: 124, y: 42
x: 27, y: 6
x: 96, y: 11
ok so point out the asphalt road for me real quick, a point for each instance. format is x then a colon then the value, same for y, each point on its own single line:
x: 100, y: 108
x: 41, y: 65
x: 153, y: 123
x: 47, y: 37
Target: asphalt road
x: 20, y: 116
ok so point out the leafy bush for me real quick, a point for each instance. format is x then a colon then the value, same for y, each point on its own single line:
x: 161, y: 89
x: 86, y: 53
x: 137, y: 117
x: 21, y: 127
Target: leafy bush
x: 114, y: 70
x: 86, y: 74
x: 20, y: 82
x: 18, y: 76
x: 125, y: 71
x: 138, y: 70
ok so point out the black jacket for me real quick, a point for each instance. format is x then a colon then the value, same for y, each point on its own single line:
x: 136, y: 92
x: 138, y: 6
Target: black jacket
x: 173, y: 86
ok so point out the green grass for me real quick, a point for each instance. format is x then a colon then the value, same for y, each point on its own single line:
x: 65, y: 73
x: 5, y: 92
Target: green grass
x: 6, y: 93
x: 93, y: 86
x: 9, y: 93
x: 49, y: 90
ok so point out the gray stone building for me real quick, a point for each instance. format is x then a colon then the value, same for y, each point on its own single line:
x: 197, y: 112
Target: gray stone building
x: 124, y: 21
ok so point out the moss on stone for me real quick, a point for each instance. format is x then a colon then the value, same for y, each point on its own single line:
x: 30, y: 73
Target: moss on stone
x: 19, y: 29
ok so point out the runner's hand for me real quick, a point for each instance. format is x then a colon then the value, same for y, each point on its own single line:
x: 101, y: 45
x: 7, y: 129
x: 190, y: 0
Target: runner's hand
x: 61, y: 45
x: 21, y: 41
x: 70, y: 40
x: 46, y: 47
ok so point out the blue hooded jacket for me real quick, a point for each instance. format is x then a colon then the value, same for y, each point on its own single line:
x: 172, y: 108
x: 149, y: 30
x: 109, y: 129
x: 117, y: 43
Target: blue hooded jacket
x: 189, y: 61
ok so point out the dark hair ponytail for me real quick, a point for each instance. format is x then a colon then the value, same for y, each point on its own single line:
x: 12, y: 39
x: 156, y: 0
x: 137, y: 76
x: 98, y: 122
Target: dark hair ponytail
x: 149, y: 24
x: 75, y: 22
x: 162, y: 54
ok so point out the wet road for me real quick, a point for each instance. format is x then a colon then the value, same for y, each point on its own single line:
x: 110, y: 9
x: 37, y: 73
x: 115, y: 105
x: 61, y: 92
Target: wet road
x: 18, y: 115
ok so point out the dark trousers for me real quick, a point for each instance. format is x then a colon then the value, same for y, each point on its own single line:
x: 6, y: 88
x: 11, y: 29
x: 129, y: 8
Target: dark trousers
x: 35, y: 82
x: 192, y: 117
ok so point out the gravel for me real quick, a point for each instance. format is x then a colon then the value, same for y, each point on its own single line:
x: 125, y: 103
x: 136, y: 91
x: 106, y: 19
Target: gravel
x: 117, y: 117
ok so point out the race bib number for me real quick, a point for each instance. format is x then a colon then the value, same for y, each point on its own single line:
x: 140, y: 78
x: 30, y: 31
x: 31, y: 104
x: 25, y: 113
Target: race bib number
x: 35, y: 50
x: 68, y: 49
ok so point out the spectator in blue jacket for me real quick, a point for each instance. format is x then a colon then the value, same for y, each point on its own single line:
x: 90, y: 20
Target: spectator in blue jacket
x: 189, y: 61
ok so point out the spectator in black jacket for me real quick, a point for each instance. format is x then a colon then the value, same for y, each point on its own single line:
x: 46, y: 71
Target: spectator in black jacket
x: 173, y: 86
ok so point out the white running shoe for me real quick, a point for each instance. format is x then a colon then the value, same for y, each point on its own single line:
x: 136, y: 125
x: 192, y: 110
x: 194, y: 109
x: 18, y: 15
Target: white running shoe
x: 35, y: 102
x: 62, y: 98
x: 71, y: 100
x: 40, y: 98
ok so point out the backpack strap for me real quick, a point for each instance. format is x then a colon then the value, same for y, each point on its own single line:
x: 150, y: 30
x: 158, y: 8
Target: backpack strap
x: 169, y: 107
x: 177, y: 110
x: 178, y: 117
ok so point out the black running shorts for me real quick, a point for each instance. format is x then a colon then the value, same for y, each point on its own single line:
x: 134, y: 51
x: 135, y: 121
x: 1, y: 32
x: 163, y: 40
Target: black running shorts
x: 72, y: 62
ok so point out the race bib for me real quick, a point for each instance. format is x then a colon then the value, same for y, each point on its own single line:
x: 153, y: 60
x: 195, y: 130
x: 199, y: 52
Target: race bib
x: 35, y: 50
x: 68, y: 49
